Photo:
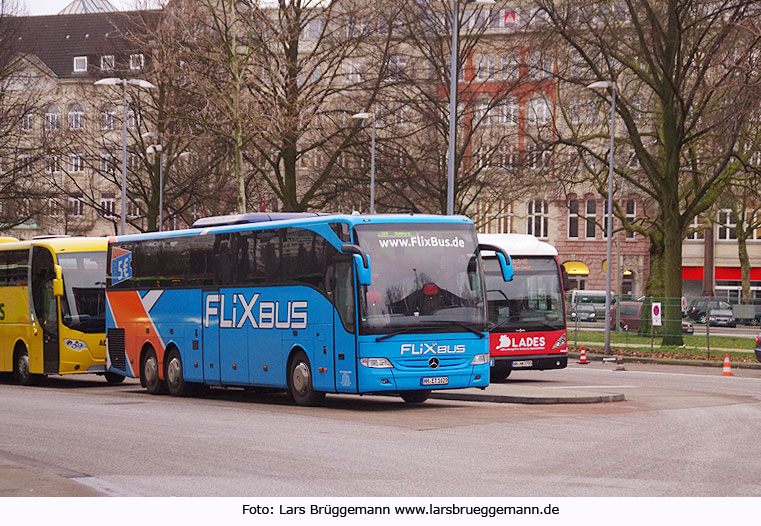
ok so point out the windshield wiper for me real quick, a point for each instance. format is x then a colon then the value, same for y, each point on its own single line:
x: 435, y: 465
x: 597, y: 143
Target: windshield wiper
x: 432, y: 324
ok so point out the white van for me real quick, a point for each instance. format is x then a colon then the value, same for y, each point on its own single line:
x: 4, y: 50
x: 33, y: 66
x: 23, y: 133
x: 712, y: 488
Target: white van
x: 595, y: 297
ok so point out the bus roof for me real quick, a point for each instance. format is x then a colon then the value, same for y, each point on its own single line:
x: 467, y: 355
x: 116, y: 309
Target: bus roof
x: 61, y: 244
x: 302, y: 220
x: 519, y: 244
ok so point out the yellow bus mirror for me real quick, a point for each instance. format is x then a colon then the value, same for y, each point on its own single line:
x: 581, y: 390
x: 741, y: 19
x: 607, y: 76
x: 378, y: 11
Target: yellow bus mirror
x: 58, y: 281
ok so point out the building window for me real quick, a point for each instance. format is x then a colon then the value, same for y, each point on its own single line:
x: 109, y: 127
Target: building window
x: 108, y: 117
x: 107, y: 205
x: 53, y: 118
x: 508, y: 113
x: 539, y: 112
x: 133, y: 161
x: 76, y: 117
x: 133, y: 119
x: 52, y: 164
x: 107, y: 62
x: 537, y: 218
x: 76, y: 206
x: 133, y: 209
x: 590, y: 216
x: 696, y: 228
x: 506, y: 156
x: 397, y: 66
x: 605, y: 214
x: 25, y: 123
x: 573, y: 218
x: 24, y: 164
x: 631, y: 215
x: 107, y: 164
x: 727, y: 225
x: 495, y: 217
x: 53, y: 207
x: 510, y: 68
x: 80, y: 64
x: 76, y: 163
x: 136, y: 61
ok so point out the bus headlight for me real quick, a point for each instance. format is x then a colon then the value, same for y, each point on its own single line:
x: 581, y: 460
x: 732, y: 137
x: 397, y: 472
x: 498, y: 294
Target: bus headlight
x: 75, y: 345
x: 376, y: 363
x: 480, y: 359
x: 561, y: 342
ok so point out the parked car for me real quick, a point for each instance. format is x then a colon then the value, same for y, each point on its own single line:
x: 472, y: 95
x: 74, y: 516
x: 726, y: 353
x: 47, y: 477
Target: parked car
x: 595, y: 298
x: 720, y: 315
x: 631, y: 315
x: 584, y: 312
x: 758, y: 347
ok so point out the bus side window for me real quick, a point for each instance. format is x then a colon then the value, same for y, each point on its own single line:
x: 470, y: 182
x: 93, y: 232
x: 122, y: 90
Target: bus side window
x: 343, y: 288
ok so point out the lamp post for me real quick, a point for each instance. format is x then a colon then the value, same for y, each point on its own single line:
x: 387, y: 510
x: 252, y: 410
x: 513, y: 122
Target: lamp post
x: 453, y: 98
x: 115, y: 82
x: 365, y: 116
x: 609, y: 219
x: 157, y: 148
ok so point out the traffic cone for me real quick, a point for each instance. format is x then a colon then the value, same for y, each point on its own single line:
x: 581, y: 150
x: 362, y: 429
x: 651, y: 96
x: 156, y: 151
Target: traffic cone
x: 583, y: 357
x: 727, y: 366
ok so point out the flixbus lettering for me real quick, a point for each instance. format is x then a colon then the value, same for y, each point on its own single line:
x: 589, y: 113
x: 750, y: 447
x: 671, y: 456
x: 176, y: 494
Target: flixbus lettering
x: 2, y: 311
x: 267, y: 315
x: 431, y: 348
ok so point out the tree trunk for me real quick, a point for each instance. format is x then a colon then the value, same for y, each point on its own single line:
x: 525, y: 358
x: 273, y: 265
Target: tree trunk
x: 672, y: 276
x: 742, y: 252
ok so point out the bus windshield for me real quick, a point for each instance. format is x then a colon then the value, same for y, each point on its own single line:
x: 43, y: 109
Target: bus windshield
x: 424, y: 276
x: 532, y: 301
x: 83, y: 305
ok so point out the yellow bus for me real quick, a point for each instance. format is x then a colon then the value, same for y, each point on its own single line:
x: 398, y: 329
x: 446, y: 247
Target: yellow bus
x: 52, y: 307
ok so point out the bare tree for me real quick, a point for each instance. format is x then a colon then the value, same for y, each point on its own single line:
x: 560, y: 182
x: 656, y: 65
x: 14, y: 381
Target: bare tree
x: 684, y: 92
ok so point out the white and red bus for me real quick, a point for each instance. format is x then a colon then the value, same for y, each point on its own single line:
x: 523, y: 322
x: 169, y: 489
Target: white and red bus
x: 527, y: 327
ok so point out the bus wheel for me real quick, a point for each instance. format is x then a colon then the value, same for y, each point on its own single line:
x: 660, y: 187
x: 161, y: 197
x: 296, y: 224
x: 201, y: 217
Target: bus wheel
x: 300, y: 388
x: 21, y: 369
x: 114, y: 378
x: 499, y: 372
x: 415, y: 397
x: 175, y: 379
x: 151, y: 373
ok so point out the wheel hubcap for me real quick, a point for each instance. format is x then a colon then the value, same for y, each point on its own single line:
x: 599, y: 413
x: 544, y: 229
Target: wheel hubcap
x: 173, y: 371
x: 151, y: 370
x: 23, y: 365
x: 300, y: 377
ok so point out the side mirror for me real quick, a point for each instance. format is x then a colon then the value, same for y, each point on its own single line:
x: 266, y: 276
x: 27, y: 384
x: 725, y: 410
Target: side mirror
x: 361, y: 261
x: 505, y: 261
x: 58, y: 281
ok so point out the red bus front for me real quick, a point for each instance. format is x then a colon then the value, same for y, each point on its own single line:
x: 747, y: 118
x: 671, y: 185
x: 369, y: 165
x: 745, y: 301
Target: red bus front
x: 526, y: 316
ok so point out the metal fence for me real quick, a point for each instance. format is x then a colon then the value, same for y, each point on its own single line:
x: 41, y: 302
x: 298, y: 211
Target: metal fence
x: 707, y: 326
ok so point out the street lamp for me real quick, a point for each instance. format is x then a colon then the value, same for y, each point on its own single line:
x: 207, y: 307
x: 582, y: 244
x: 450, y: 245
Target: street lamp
x: 365, y: 116
x: 453, y: 98
x: 115, y: 82
x: 157, y: 148
x: 609, y: 228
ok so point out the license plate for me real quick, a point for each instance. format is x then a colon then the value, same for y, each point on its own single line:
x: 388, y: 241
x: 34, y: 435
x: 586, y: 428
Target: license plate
x: 434, y: 380
x: 523, y: 363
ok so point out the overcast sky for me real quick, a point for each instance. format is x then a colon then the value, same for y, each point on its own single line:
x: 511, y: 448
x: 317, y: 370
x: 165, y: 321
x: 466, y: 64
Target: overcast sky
x: 53, y: 7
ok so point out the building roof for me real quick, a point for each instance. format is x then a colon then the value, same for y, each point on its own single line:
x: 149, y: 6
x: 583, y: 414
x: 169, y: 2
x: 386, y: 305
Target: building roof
x: 78, y: 7
x: 57, y: 39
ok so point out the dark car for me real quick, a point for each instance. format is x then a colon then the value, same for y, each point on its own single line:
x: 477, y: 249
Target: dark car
x: 584, y: 312
x: 720, y: 315
x: 758, y: 347
x: 631, y: 315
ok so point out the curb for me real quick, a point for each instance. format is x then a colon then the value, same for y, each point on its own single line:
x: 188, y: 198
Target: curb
x: 518, y: 399
x: 669, y: 361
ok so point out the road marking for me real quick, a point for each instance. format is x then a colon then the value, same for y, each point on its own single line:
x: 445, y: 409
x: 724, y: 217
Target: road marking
x: 593, y: 386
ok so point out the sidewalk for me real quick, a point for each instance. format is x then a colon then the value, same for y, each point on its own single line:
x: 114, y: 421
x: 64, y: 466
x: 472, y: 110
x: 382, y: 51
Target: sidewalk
x: 513, y: 393
x: 23, y: 480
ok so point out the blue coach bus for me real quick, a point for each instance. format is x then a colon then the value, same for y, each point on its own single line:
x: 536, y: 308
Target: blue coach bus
x: 308, y: 303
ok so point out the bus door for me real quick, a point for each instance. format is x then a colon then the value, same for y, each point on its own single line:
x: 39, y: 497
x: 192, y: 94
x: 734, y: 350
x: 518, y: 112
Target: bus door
x: 210, y: 325
x: 45, y: 306
x: 235, y: 308
x: 341, y: 292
